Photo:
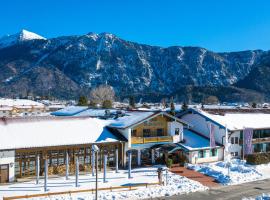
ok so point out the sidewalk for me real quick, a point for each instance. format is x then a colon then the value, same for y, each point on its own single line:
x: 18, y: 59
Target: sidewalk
x: 196, y: 176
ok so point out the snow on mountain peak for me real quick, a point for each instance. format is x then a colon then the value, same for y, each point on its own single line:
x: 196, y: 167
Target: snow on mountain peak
x: 27, y: 35
x: 23, y: 35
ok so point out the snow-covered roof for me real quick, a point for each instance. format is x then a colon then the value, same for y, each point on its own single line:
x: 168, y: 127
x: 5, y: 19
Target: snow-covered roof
x: 194, y: 141
x: 70, y: 111
x: 95, y: 112
x: 50, y: 131
x: 19, y: 102
x: 132, y: 118
x: 238, y: 121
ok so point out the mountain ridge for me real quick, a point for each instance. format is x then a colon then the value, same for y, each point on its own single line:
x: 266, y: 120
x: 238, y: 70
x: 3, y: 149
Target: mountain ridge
x: 86, y: 61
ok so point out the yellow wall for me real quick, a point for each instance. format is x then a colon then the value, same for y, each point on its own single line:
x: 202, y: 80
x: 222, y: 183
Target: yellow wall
x: 153, y: 125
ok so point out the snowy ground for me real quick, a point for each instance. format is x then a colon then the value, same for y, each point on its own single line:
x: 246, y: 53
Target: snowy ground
x: 239, y: 172
x: 176, y: 185
x: 262, y: 197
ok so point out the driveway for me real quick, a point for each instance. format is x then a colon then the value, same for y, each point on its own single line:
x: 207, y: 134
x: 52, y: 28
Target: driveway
x: 234, y: 192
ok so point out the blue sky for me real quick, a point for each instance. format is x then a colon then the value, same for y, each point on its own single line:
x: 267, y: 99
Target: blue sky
x: 218, y: 25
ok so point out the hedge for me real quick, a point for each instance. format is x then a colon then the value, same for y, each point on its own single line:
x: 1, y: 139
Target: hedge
x: 258, y: 158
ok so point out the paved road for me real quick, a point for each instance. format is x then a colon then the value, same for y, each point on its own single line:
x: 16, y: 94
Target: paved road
x: 236, y: 192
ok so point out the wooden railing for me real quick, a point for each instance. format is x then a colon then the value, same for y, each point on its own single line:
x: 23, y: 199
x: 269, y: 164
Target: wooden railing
x: 145, y: 140
x: 260, y: 140
x: 48, y: 194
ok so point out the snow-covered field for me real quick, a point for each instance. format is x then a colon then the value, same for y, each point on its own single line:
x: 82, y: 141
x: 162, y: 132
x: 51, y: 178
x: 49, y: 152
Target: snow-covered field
x: 262, y: 197
x: 176, y: 185
x: 239, y: 172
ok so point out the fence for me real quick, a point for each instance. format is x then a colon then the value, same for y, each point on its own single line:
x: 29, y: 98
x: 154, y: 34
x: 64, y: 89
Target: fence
x: 131, y: 187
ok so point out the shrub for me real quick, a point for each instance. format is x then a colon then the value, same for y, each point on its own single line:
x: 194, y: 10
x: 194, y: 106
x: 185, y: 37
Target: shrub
x: 258, y: 158
x: 107, y: 104
x: 169, y: 162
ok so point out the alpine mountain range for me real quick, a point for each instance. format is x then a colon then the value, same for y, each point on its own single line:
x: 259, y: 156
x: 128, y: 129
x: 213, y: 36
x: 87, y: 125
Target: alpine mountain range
x: 69, y: 66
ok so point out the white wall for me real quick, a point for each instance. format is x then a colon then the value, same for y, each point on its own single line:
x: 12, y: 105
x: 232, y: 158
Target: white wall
x: 8, y: 157
x: 127, y: 134
x: 171, y: 129
x: 199, y: 124
x: 235, y: 147
x: 194, y: 158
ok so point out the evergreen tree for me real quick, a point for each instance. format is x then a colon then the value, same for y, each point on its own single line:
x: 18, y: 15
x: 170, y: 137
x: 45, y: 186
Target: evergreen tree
x: 254, y: 105
x: 82, y: 101
x: 132, y: 101
x: 184, y: 106
x: 172, y: 112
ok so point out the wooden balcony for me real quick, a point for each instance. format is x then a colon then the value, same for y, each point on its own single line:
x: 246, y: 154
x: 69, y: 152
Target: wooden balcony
x: 146, y: 140
x: 260, y: 140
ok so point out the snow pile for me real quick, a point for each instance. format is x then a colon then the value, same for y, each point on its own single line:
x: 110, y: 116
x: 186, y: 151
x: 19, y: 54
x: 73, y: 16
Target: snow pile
x: 176, y: 185
x: 262, y: 197
x: 239, y: 172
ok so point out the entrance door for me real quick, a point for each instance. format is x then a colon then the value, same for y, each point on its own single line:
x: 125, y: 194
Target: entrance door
x: 4, y: 173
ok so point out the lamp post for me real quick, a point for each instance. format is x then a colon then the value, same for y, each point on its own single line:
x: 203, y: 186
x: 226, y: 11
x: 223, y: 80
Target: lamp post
x: 96, y: 149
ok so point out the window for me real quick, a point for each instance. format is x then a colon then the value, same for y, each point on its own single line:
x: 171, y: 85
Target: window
x: 258, y: 148
x: 146, y: 132
x: 232, y: 140
x: 234, y: 154
x: 201, y: 154
x: 213, y: 152
x: 133, y: 132
x: 177, y: 131
x: 267, y: 147
x: 160, y: 132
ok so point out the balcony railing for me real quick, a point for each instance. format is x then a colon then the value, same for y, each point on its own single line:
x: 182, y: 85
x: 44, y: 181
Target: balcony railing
x: 260, y: 140
x: 145, y: 140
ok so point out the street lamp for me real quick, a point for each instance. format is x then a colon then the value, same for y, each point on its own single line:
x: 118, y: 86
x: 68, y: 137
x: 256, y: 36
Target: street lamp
x: 96, y: 149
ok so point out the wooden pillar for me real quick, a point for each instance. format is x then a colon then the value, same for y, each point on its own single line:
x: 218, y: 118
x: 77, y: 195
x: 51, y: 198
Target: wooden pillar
x: 93, y: 161
x: 104, y: 169
x: 152, y: 156
x: 77, y: 171
x: 20, y: 163
x: 37, y: 168
x: 129, y: 163
x: 45, y: 174
x: 116, y: 160
x: 67, y: 165
x: 139, y: 157
x: 100, y: 158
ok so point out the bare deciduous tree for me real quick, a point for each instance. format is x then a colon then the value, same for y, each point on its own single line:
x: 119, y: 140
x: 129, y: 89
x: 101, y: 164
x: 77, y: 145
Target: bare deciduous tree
x: 102, y: 93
